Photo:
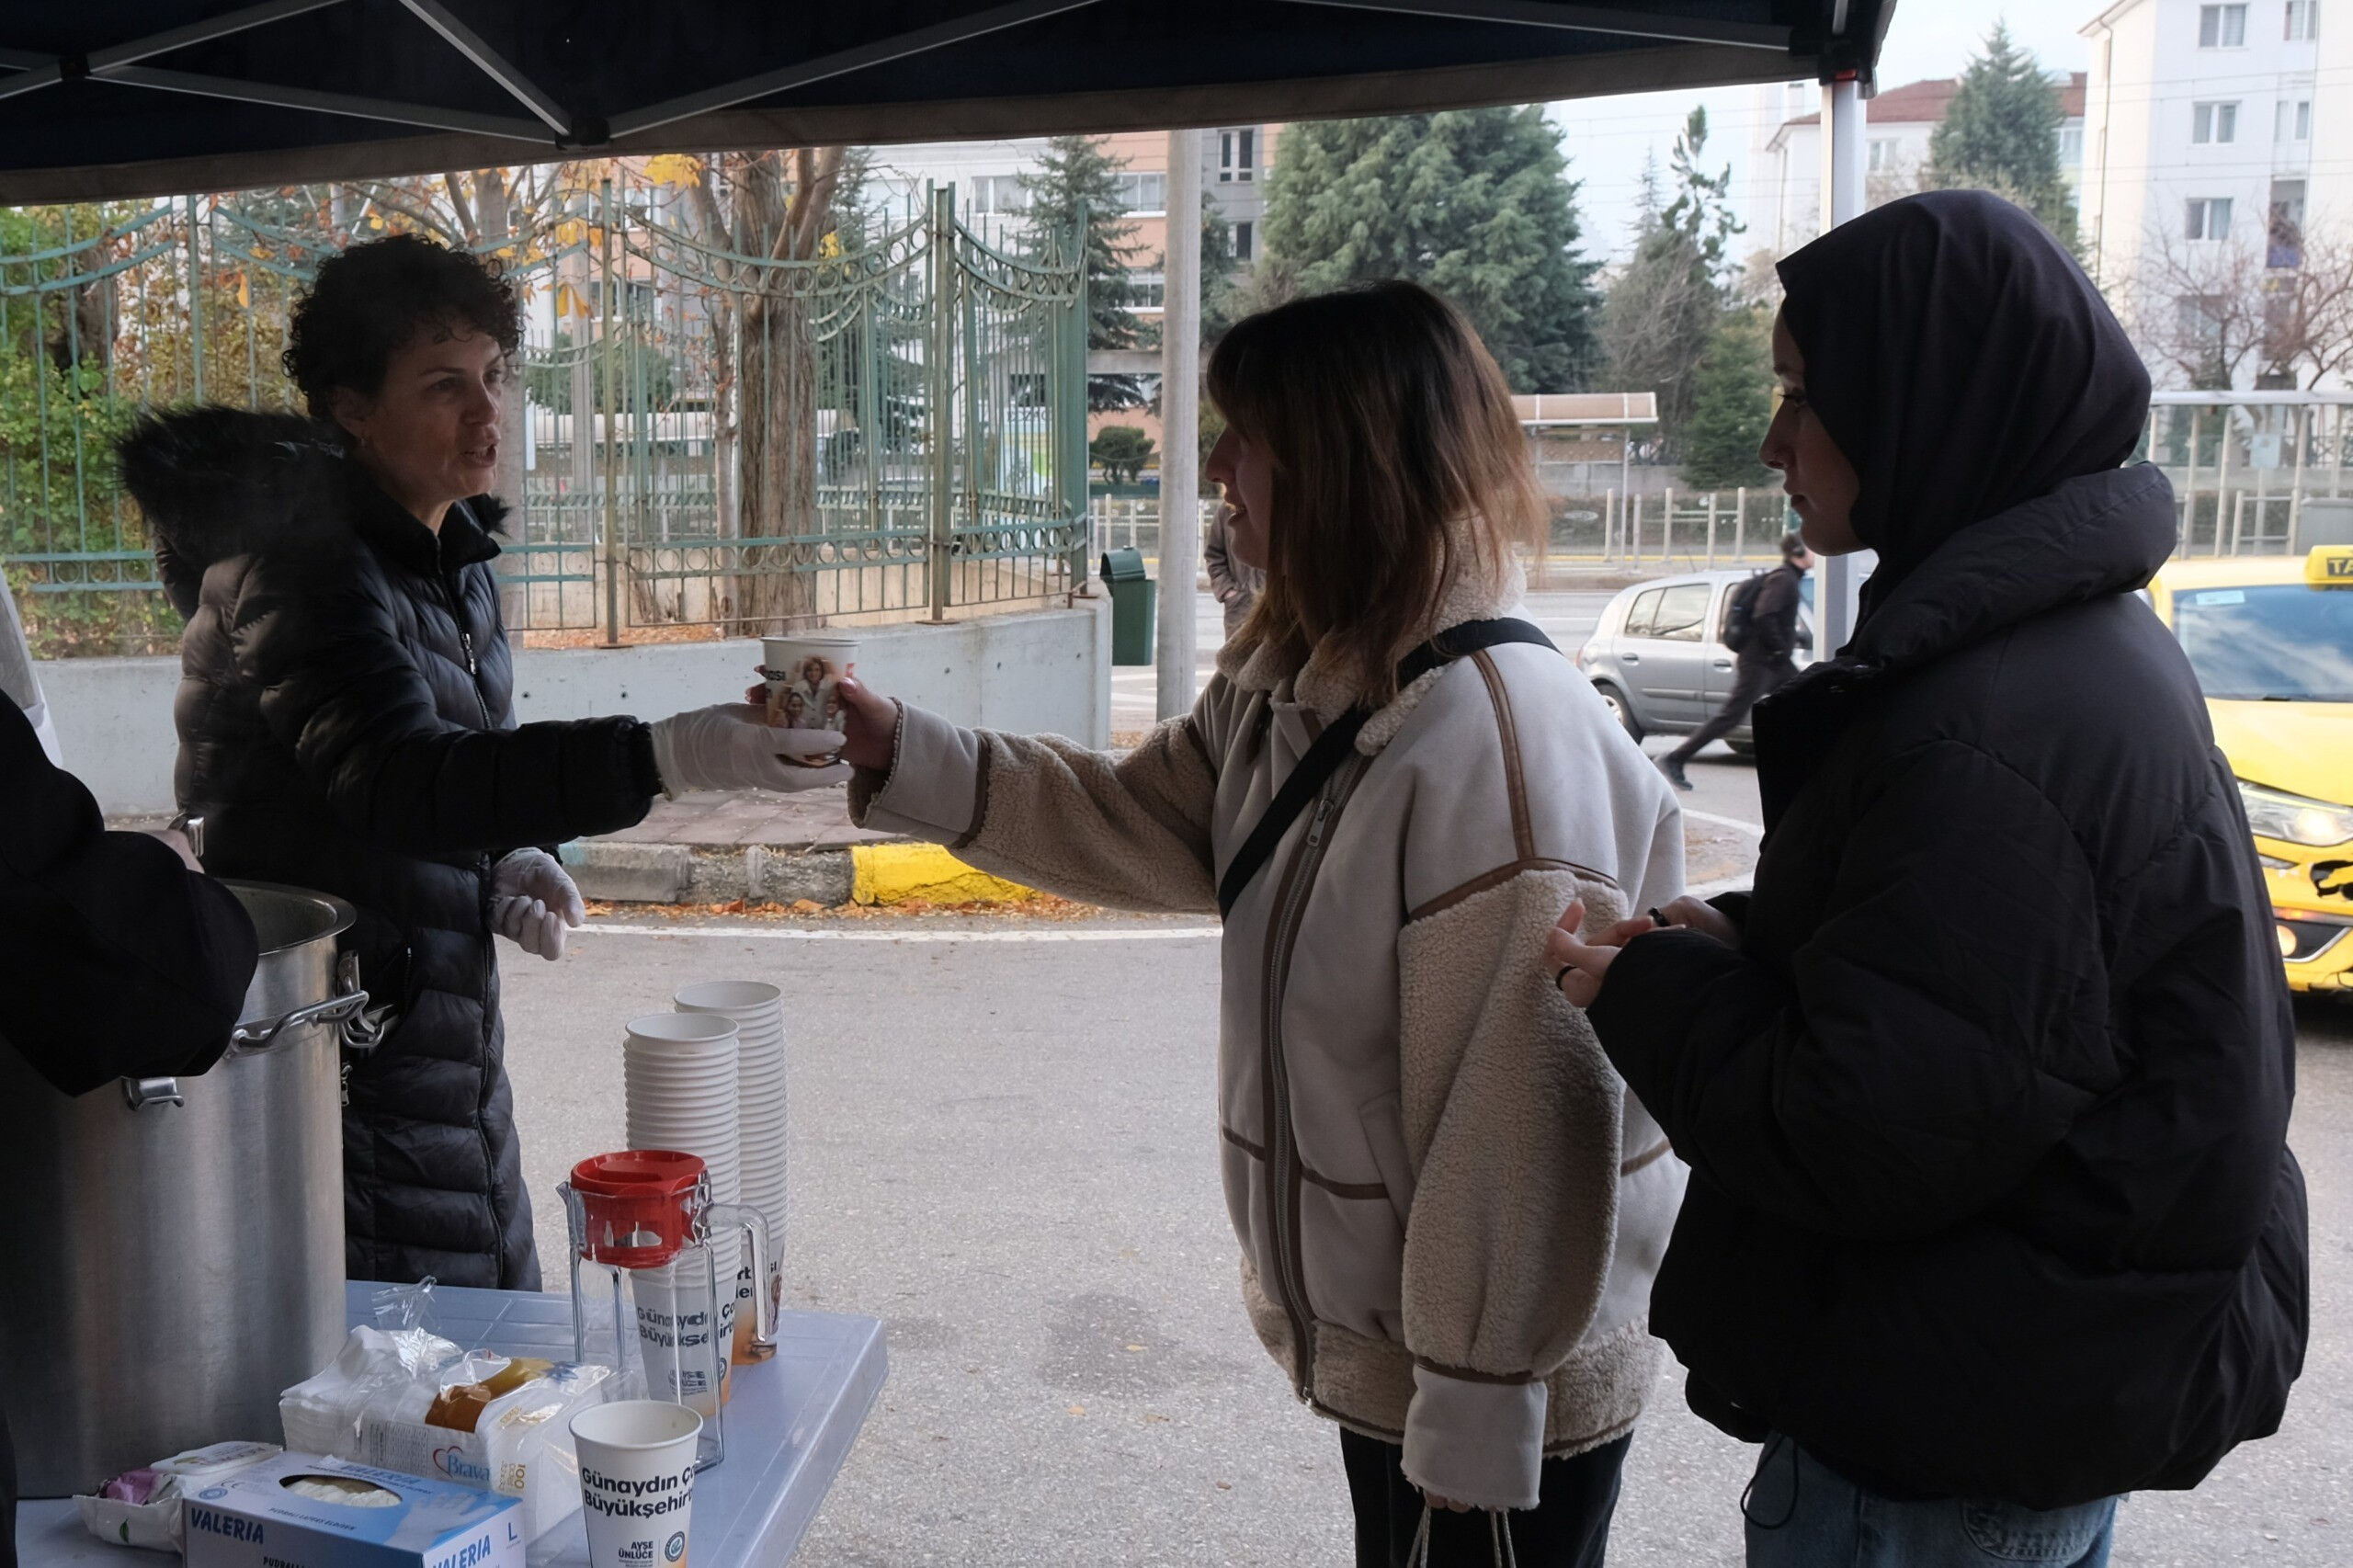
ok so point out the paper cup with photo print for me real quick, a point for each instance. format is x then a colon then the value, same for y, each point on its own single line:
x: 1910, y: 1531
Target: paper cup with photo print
x: 637, y: 1482
x: 803, y: 676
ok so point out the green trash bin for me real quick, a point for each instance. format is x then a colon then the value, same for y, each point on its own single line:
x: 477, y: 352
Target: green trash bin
x: 1133, y: 596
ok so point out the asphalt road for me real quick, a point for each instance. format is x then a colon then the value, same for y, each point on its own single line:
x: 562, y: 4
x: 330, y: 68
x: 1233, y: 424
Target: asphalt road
x: 1006, y: 1149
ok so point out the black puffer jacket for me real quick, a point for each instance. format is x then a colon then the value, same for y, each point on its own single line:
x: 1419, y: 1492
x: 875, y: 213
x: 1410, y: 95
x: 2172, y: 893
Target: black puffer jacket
x: 1986, y: 1117
x: 344, y: 725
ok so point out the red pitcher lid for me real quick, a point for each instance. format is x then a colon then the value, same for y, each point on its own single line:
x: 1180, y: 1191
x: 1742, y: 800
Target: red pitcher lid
x: 639, y: 1205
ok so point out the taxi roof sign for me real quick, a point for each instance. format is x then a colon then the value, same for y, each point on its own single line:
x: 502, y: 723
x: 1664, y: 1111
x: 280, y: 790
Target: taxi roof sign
x: 2329, y: 566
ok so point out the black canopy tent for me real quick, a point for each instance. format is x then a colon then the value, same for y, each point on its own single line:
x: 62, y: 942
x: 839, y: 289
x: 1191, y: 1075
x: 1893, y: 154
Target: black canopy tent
x: 112, y: 99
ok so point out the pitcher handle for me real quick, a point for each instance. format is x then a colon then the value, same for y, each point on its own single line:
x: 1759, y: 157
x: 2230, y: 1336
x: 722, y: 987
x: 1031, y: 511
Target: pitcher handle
x: 755, y: 1226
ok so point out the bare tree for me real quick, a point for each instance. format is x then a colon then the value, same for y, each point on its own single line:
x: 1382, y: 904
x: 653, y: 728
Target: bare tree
x: 2202, y: 308
x: 2278, y: 310
x: 768, y: 207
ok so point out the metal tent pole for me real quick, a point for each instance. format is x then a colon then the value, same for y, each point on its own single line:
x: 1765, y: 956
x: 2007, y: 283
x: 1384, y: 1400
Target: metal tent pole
x: 1180, y: 461
x: 1841, y: 200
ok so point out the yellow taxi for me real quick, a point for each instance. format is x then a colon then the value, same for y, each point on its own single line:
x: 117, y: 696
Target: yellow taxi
x: 2271, y: 639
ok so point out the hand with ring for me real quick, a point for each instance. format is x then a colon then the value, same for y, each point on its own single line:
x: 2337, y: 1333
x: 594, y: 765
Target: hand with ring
x: 1581, y: 966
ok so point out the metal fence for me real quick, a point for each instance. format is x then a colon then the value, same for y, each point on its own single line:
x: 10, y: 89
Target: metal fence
x: 1702, y: 529
x: 1132, y: 522
x: 704, y: 438
x: 2255, y: 474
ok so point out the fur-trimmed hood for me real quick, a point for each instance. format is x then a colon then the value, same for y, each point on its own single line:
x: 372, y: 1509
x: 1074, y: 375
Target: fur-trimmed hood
x: 215, y: 482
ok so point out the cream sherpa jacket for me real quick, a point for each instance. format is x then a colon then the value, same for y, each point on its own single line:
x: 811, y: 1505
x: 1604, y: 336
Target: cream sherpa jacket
x: 1450, y: 1208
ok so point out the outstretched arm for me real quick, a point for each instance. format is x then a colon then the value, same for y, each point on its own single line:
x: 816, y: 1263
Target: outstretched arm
x: 1132, y: 831
x: 340, y: 688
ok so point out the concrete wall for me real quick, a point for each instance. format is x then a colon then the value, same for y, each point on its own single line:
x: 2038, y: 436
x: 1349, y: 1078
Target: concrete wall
x: 1044, y: 670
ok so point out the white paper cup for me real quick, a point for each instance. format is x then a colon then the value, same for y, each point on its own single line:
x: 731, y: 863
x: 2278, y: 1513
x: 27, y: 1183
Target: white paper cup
x: 739, y: 999
x: 803, y: 677
x: 682, y: 1031
x: 637, y: 1482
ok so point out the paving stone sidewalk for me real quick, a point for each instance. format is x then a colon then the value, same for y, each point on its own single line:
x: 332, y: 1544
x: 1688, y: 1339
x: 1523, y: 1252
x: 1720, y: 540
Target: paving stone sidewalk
x: 816, y: 819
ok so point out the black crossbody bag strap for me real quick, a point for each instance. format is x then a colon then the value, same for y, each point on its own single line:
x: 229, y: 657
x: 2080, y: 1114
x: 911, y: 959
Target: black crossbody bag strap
x: 1339, y: 738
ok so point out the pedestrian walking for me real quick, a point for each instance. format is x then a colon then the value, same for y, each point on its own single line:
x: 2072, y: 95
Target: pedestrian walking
x: 1761, y: 628
x: 1234, y: 582
x: 1986, y: 1086
x: 1448, y: 1206
x: 345, y: 723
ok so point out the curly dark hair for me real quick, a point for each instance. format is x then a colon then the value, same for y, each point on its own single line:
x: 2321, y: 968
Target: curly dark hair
x: 370, y: 300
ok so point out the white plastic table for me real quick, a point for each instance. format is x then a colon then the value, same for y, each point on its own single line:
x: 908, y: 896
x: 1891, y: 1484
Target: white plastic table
x: 790, y: 1425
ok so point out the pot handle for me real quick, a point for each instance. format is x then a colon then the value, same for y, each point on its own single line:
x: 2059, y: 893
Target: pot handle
x: 141, y: 1093
x: 251, y: 1039
x: 363, y: 1030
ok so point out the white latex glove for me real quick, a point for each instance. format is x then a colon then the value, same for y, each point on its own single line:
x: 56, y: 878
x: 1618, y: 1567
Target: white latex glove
x: 532, y: 902
x: 732, y: 747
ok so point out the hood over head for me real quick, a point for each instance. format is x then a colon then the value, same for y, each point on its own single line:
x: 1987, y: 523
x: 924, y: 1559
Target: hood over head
x: 214, y: 482
x: 1962, y: 362
x: 217, y: 481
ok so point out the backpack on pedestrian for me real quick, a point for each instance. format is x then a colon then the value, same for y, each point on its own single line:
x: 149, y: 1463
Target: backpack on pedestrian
x: 1740, y: 627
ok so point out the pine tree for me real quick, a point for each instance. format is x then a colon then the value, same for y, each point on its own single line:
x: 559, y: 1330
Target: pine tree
x: 1663, y: 308
x: 1732, y: 402
x: 2001, y: 133
x: 1077, y: 172
x: 1474, y: 203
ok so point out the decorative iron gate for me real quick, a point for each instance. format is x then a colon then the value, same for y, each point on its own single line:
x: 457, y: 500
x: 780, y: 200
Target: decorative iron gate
x: 704, y: 438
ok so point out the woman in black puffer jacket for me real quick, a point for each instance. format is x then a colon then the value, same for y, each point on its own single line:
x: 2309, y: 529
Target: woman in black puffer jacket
x: 1985, y: 1088
x: 346, y: 723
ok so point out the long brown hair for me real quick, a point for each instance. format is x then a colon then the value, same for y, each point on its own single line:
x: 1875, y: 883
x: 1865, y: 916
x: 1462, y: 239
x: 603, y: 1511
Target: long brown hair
x: 1396, y: 455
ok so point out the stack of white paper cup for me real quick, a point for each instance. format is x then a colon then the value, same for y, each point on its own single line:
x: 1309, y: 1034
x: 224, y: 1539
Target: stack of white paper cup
x: 678, y: 1075
x: 758, y: 1009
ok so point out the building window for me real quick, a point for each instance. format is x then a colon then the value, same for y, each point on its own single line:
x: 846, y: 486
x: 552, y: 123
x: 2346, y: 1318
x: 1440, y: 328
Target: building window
x: 2214, y: 123
x: 2222, y: 26
x: 2283, y: 243
x: 2292, y: 122
x: 1148, y: 289
x: 2199, y: 319
x: 2071, y: 146
x: 2208, y: 217
x: 1237, y: 155
x: 1244, y: 241
x: 1144, y: 190
x: 2303, y: 20
x: 999, y: 193
x: 1883, y: 154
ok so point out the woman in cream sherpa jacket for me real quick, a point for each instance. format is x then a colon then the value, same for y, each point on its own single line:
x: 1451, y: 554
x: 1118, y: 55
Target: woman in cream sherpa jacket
x: 1449, y: 1208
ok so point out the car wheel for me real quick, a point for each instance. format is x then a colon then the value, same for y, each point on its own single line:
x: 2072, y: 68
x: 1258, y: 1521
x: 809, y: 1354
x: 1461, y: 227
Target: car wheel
x: 1619, y: 708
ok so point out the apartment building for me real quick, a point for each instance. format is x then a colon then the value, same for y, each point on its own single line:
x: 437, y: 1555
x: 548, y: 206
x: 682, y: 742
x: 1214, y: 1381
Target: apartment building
x: 2207, y: 128
x: 987, y: 176
x: 1785, y: 153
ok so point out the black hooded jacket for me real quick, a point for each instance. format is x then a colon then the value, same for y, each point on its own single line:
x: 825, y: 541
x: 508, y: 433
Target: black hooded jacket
x: 344, y: 725
x: 1987, y: 1115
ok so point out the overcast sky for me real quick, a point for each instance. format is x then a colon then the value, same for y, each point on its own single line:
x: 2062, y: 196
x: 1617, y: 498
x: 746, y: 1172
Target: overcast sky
x: 1607, y: 138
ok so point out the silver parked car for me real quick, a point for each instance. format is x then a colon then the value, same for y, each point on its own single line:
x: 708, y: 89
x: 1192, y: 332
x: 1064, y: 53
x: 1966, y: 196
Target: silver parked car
x: 1658, y: 658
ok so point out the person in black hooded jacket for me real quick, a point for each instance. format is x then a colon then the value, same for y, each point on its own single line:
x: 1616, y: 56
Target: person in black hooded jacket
x: 345, y: 723
x: 1984, y: 1087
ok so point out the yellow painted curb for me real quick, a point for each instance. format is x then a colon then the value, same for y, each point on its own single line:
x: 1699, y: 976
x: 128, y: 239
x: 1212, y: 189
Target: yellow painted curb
x: 892, y: 873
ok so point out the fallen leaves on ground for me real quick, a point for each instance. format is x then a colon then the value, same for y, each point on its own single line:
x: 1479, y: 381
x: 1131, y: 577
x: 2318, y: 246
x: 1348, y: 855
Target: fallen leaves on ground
x: 1045, y: 906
